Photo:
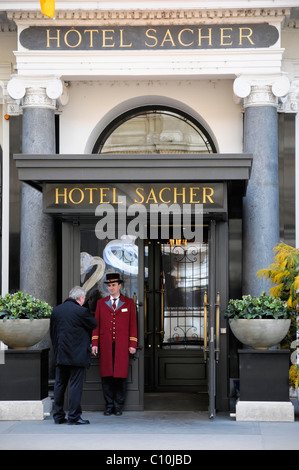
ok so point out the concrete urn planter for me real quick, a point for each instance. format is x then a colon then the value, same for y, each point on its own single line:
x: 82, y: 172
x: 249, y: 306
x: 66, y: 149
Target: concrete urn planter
x: 22, y: 333
x: 260, y: 333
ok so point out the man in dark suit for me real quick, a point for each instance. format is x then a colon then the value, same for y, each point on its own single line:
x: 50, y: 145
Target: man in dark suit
x: 116, y: 336
x: 71, y: 326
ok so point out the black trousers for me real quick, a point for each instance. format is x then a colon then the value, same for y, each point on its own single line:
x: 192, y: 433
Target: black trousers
x: 75, y: 377
x: 114, y: 390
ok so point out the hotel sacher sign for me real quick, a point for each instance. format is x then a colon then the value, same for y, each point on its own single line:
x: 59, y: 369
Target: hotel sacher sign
x: 171, y: 37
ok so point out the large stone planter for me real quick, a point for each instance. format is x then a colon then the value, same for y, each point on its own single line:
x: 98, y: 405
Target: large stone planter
x: 260, y: 333
x: 20, y: 334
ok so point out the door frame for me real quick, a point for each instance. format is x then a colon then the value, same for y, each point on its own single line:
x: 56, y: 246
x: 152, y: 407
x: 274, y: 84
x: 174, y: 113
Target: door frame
x: 220, y: 285
x: 162, y: 361
x: 218, y: 379
x: 217, y: 360
x: 70, y: 277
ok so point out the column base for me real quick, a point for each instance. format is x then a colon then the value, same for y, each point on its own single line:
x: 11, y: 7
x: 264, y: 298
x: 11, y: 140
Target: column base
x: 19, y: 410
x: 274, y: 411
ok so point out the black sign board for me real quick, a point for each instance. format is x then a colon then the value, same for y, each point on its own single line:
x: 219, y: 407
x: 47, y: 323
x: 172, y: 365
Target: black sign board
x: 171, y: 37
x: 86, y: 197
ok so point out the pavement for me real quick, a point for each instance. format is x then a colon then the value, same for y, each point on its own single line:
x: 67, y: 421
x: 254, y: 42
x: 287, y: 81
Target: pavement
x: 172, y: 431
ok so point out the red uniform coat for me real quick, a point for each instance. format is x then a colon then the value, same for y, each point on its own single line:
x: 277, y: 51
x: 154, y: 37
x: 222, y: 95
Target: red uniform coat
x: 119, y: 327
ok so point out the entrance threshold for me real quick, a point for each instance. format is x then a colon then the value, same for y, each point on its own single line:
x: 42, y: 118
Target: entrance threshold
x: 176, y: 401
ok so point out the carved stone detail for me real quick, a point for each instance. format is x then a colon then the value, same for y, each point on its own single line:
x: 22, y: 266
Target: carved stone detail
x: 37, y: 98
x: 261, y: 91
x: 260, y: 96
x: 290, y: 104
x: 41, y: 93
x: 161, y: 16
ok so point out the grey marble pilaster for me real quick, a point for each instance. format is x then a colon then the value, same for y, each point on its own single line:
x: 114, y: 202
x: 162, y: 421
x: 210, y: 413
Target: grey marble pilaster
x: 261, y: 204
x: 38, y: 271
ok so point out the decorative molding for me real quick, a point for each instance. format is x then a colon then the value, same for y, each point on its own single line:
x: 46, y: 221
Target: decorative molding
x: 41, y: 92
x: 207, y: 63
x: 260, y: 95
x: 261, y: 91
x: 150, y: 16
x: 290, y: 104
x: 37, y: 98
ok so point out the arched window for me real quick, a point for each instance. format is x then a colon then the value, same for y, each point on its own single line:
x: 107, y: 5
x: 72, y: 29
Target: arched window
x: 150, y: 130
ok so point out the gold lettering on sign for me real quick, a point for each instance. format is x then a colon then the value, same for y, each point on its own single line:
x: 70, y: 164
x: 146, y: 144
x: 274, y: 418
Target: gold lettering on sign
x: 151, y: 197
x: 71, y: 196
x: 151, y: 37
x: 209, y: 37
x: 168, y: 38
x: 91, y: 31
x: 64, y: 195
x: 225, y: 36
x: 161, y: 195
x: 79, y: 39
x: 103, y: 195
x: 122, y: 39
x: 143, y: 195
x: 108, y: 38
x: 114, y: 201
x: 206, y: 196
x: 171, y: 37
x: 247, y: 36
x: 140, y: 195
x: 90, y: 194
x: 180, y: 37
x: 193, y: 195
x: 56, y: 38
x: 176, y: 194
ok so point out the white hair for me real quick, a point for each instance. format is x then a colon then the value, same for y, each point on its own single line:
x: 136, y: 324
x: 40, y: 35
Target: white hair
x: 77, y: 292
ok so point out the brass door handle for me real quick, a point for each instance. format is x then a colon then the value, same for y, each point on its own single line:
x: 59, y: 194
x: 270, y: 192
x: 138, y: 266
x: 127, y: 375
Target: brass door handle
x: 161, y: 332
x: 146, y: 333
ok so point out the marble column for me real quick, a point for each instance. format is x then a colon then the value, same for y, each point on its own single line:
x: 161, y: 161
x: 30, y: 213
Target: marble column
x: 261, y: 204
x: 38, y: 266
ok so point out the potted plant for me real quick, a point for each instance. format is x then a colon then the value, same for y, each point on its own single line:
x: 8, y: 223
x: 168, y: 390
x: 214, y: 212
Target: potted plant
x: 283, y: 274
x: 259, y: 322
x: 24, y: 320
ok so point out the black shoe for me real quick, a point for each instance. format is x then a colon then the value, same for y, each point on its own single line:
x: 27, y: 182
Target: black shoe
x: 61, y: 421
x: 79, y: 421
x: 108, y: 413
x: 118, y: 413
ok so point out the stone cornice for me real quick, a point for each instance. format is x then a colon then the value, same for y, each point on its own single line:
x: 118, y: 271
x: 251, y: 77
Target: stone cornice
x: 158, y: 16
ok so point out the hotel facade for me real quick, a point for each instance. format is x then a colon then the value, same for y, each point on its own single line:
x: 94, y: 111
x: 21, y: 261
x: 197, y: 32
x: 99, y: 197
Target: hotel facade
x: 158, y: 140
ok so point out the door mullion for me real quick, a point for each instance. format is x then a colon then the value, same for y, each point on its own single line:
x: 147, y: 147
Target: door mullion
x: 212, y: 325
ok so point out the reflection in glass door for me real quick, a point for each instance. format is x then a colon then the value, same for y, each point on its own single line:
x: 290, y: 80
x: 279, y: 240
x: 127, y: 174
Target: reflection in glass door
x: 174, y: 315
x: 99, y: 257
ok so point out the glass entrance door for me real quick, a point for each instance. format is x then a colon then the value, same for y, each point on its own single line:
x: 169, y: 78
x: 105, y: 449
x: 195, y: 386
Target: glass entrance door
x: 182, y: 337
x: 175, y: 286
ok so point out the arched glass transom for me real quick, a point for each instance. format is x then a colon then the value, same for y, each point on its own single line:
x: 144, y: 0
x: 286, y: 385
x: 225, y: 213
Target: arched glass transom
x: 153, y: 130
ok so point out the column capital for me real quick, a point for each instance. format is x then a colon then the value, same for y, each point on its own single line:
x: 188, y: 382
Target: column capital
x: 290, y: 103
x: 44, y: 92
x: 261, y: 91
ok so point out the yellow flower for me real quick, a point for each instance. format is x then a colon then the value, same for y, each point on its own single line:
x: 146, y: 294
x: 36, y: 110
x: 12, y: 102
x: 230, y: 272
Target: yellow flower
x: 294, y: 376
